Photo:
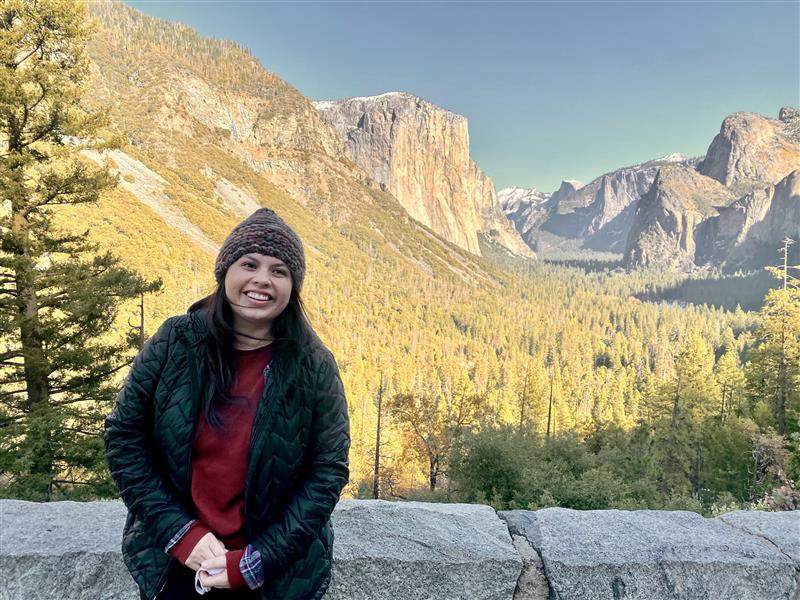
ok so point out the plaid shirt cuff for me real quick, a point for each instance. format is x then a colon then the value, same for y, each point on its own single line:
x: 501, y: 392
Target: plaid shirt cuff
x: 181, y: 532
x: 250, y: 567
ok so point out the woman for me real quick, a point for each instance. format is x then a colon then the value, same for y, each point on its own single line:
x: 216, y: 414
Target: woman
x: 229, y: 440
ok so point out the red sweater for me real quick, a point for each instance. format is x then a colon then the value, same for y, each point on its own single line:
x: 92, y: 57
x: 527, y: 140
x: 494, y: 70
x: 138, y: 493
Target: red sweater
x: 219, y: 466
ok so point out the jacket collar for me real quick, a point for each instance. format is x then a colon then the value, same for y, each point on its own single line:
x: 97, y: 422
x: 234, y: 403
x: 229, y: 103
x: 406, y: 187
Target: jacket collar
x: 196, y: 332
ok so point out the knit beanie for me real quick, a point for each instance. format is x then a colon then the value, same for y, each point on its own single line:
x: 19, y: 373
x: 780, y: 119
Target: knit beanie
x: 265, y: 233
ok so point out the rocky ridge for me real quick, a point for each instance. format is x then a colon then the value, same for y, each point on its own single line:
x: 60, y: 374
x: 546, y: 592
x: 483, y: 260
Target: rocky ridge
x: 667, y: 217
x: 751, y: 151
x: 419, y: 153
x: 730, y: 208
x: 207, y: 116
x: 756, y: 159
x: 748, y: 232
x: 596, y: 216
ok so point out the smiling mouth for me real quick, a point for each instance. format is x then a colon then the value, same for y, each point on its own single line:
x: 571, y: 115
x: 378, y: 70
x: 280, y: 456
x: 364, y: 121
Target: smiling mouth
x: 258, y: 297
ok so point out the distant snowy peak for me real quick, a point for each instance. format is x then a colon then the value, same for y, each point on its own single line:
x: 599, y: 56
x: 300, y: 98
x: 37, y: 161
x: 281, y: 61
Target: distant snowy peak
x: 674, y: 157
x: 511, y: 198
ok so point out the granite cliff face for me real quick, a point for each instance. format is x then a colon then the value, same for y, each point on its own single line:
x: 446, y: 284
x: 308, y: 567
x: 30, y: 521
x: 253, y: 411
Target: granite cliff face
x: 596, y: 216
x: 748, y: 233
x: 666, y: 222
x: 757, y: 159
x: 752, y: 151
x: 169, y: 100
x: 212, y: 133
x: 420, y: 154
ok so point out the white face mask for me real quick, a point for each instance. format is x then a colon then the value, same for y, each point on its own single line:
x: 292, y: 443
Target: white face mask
x: 199, y: 587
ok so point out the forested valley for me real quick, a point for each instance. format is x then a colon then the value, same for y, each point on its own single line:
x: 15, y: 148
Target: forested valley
x: 515, y: 382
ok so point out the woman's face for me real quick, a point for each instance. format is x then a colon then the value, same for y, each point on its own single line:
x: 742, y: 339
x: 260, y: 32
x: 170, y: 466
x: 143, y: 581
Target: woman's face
x: 258, y: 288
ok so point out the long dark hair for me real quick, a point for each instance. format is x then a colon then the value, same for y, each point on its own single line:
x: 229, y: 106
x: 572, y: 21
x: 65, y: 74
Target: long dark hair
x: 291, y: 330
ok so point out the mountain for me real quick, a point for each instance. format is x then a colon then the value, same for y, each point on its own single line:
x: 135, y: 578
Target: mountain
x: 667, y: 216
x: 687, y: 221
x: 210, y: 135
x: 525, y: 208
x: 596, y: 216
x: 208, y: 126
x: 748, y: 232
x: 752, y: 152
x: 419, y: 153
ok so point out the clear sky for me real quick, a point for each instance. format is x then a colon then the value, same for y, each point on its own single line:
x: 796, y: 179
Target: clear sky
x: 552, y: 90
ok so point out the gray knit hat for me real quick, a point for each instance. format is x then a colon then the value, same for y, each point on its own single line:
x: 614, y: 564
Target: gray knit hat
x: 266, y: 233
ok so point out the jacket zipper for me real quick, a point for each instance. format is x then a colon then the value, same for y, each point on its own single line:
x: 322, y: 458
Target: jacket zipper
x: 162, y: 583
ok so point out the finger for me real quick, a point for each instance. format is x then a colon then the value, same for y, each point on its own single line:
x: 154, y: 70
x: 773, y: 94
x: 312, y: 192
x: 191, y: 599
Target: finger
x: 216, y: 562
x: 216, y: 581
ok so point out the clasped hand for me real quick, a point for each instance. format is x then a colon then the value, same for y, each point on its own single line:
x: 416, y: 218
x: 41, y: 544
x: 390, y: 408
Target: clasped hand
x: 209, y: 553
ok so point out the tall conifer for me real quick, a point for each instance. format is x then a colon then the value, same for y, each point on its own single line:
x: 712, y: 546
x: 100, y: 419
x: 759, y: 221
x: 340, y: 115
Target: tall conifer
x: 58, y: 294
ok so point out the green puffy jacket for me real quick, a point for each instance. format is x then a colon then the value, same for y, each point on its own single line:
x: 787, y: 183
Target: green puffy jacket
x: 296, y: 470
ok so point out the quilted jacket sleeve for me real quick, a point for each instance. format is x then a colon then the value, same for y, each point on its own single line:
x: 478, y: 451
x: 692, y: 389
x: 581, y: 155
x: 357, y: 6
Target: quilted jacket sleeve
x: 314, y: 499
x: 128, y: 448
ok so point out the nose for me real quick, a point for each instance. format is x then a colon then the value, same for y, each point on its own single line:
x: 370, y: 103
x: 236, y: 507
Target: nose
x: 262, y: 277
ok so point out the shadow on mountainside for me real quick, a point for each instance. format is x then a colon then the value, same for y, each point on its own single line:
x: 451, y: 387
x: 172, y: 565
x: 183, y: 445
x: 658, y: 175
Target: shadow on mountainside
x: 746, y: 291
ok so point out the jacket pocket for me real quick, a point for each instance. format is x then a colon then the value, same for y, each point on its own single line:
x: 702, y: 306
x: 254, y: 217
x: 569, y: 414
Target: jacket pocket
x: 305, y: 577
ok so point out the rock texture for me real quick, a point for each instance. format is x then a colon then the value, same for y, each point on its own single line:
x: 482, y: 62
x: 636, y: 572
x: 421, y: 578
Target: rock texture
x: 757, y: 160
x: 778, y: 530
x: 748, y: 232
x: 419, y: 152
x: 389, y: 550
x: 526, y: 209
x: 652, y: 555
x: 414, y: 550
x: 752, y: 151
x: 179, y: 96
x: 596, y: 216
x: 65, y: 550
x: 668, y: 218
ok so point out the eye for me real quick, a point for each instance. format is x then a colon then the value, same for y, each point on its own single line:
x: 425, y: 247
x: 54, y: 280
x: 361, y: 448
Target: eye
x: 248, y: 264
x: 281, y: 271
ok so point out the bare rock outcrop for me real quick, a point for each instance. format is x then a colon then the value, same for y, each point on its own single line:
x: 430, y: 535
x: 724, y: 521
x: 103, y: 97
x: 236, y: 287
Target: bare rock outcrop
x: 419, y: 152
x: 749, y: 232
x: 667, y: 218
x: 525, y: 208
x: 597, y: 215
x: 751, y: 151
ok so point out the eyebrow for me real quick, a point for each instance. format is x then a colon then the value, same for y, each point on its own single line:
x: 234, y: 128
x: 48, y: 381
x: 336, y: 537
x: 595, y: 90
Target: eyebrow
x: 257, y: 258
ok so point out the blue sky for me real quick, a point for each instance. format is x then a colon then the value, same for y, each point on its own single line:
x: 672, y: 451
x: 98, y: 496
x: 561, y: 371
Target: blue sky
x: 552, y: 90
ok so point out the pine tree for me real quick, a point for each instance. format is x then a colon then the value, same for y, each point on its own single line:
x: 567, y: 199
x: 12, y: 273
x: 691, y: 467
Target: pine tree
x: 730, y: 378
x: 58, y: 294
x: 774, y: 374
x: 692, y: 396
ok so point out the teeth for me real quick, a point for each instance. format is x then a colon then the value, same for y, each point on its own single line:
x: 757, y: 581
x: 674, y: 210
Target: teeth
x: 257, y: 296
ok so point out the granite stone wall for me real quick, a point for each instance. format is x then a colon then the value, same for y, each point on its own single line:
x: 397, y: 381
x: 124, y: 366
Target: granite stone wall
x: 417, y: 551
